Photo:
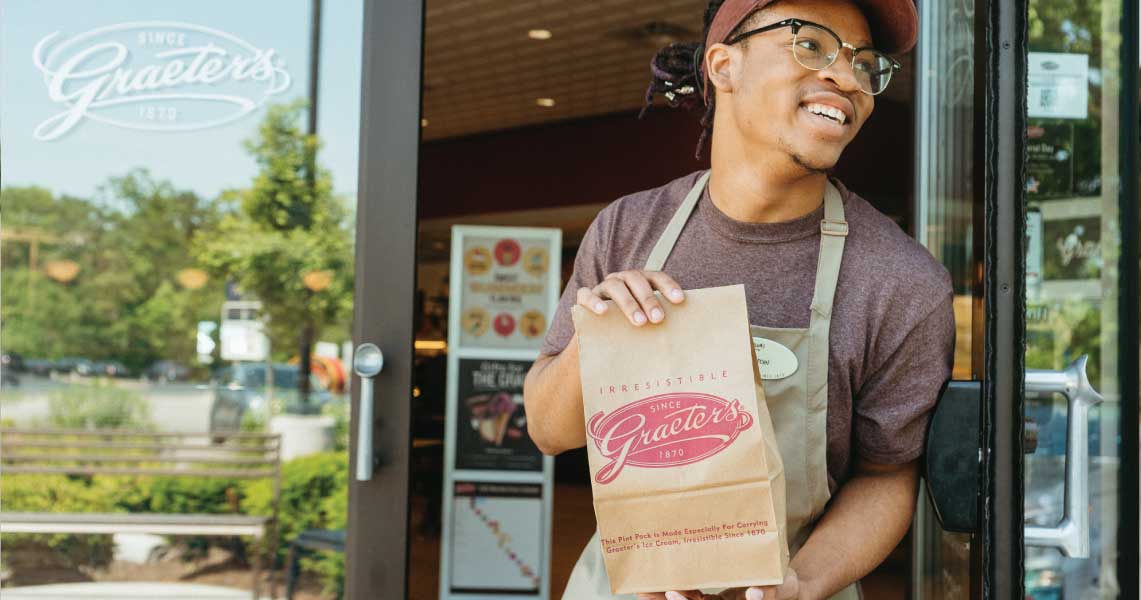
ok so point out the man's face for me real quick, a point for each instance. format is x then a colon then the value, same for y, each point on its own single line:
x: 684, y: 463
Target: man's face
x: 773, y: 94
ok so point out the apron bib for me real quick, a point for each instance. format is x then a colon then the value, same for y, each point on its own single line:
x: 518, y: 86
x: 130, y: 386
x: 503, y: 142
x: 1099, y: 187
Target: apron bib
x: 794, y: 367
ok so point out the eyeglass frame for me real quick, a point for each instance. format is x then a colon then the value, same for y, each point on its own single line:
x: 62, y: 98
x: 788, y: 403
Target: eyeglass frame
x: 796, y: 24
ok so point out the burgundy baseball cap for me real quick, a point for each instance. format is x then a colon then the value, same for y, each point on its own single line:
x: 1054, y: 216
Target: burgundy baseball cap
x: 894, y: 23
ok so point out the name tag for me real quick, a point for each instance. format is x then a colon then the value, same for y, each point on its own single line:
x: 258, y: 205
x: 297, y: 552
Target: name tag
x: 775, y: 360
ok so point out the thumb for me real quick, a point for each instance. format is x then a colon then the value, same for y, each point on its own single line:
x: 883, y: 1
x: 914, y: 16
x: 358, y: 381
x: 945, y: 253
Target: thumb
x: 755, y: 593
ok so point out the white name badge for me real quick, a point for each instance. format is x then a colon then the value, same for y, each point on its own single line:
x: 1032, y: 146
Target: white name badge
x: 775, y: 360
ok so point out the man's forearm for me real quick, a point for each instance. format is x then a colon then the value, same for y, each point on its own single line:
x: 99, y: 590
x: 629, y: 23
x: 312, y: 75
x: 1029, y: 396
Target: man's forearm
x: 862, y: 525
x: 552, y: 395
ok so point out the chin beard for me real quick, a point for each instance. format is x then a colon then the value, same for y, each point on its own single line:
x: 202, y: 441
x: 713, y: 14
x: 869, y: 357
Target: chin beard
x: 802, y: 161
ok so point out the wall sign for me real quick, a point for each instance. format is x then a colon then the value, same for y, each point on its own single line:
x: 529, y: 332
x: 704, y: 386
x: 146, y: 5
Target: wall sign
x: 154, y: 76
x: 497, y: 485
x: 1058, y: 85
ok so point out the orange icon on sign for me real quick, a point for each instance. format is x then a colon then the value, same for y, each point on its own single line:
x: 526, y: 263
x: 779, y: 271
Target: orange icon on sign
x: 477, y: 260
x: 535, y: 261
x: 532, y: 323
x: 475, y: 321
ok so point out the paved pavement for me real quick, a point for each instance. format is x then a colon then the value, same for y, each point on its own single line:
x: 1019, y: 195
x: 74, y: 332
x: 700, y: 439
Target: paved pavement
x: 123, y: 591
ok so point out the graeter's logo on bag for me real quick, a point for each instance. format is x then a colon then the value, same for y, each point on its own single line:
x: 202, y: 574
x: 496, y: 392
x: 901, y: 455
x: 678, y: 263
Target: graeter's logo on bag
x: 666, y: 430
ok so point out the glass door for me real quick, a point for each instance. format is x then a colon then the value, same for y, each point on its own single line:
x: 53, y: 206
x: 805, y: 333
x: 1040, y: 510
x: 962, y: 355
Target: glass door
x: 1076, y: 134
x: 177, y: 304
x: 1057, y: 500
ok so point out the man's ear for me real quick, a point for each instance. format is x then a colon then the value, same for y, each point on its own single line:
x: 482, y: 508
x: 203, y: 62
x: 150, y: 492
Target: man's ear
x: 719, y: 62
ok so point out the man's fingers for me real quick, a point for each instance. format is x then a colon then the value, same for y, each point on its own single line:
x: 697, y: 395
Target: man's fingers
x: 640, y: 287
x: 588, y: 299
x: 615, y: 289
x: 666, y: 285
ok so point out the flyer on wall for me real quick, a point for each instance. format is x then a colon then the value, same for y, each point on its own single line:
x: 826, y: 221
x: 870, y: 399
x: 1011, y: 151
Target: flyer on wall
x: 491, y: 425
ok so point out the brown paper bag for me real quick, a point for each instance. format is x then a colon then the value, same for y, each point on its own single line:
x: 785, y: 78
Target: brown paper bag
x: 688, y: 482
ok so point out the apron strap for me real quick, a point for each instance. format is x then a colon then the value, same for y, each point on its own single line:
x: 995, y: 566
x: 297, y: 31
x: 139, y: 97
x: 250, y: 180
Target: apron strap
x: 666, y: 242
x: 833, y: 231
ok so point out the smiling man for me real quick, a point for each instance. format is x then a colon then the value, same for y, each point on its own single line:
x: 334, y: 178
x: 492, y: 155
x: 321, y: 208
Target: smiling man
x: 865, y: 310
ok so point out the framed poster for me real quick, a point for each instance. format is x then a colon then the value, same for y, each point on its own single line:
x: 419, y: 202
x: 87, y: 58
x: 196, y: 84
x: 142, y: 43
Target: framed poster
x: 491, y: 425
x: 496, y: 538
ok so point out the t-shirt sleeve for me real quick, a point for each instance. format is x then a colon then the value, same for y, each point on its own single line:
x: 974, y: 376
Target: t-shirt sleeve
x: 895, y: 403
x: 589, y: 269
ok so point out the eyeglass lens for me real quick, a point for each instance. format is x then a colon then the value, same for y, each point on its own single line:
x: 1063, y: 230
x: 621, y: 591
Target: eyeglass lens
x: 817, y: 49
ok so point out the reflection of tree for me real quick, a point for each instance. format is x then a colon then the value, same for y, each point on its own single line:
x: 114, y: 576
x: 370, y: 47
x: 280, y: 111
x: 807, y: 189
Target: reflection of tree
x: 1074, y: 26
x: 130, y: 243
x: 282, y: 228
x: 124, y: 301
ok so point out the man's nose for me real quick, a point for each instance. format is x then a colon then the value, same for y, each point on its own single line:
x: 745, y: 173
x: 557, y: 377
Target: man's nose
x: 841, y: 74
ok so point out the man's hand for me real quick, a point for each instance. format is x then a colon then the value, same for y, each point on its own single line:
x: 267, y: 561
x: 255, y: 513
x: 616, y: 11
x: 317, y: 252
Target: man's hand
x: 633, y: 292
x: 789, y: 590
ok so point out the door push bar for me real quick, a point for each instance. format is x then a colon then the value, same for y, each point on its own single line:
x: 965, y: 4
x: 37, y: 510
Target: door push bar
x: 953, y: 459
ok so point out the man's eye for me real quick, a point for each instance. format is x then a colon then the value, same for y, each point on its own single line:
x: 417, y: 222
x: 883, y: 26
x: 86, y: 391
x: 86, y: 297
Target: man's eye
x: 809, y: 45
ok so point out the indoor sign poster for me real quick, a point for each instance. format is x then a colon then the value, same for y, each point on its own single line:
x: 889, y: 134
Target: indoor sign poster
x: 497, y: 545
x: 505, y: 292
x: 491, y: 426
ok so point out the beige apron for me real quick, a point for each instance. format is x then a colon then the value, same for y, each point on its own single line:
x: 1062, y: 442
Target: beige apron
x: 798, y: 402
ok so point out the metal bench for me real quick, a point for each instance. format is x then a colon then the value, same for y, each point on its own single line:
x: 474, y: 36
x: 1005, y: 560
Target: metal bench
x: 310, y: 540
x: 122, y: 452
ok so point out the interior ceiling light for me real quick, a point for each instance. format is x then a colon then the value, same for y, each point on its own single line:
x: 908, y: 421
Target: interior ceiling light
x: 539, y: 34
x: 545, y: 102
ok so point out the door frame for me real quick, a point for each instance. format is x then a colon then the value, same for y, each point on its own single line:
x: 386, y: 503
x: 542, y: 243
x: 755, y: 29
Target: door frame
x: 1003, y: 65
x: 376, y: 559
x: 1129, y: 158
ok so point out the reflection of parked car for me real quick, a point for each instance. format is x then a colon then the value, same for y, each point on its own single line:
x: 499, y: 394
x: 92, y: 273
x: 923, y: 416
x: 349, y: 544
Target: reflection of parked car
x: 110, y: 368
x: 74, y: 364
x: 241, y: 388
x: 13, y: 361
x: 38, y: 366
x: 10, y: 366
x: 167, y: 370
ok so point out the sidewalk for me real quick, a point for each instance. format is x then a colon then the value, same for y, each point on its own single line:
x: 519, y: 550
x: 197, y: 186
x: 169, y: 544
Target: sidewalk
x: 108, y: 590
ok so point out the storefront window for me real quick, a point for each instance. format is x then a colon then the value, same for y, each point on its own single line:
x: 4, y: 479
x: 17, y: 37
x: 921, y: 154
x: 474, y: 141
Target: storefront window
x: 175, y: 243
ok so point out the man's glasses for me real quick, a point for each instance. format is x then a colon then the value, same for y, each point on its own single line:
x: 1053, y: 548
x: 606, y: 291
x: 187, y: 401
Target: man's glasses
x: 816, y: 47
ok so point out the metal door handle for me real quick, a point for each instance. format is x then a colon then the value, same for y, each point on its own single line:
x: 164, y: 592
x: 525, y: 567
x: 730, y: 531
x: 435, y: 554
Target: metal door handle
x: 368, y: 361
x: 1071, y: 534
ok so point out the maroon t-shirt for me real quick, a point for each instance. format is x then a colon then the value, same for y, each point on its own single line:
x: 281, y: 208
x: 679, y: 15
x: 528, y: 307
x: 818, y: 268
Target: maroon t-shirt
x: 893, y: 327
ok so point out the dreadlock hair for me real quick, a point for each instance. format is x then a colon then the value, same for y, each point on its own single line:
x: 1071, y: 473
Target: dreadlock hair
x: 677, y: 74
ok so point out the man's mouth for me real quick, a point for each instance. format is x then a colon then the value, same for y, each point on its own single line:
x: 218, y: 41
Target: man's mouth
x: 828, y: 113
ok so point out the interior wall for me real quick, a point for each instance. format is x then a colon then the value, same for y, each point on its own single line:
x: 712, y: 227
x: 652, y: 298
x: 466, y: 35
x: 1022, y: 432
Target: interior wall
x: 602, y: 158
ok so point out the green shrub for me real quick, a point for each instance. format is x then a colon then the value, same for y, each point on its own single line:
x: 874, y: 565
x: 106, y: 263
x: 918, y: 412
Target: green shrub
x: 56, y: 493
x: 314, y: 495
x: 98, y: 405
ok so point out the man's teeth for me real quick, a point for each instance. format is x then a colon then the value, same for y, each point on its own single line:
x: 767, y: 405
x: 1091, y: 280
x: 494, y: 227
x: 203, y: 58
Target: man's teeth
x: 833, y: 113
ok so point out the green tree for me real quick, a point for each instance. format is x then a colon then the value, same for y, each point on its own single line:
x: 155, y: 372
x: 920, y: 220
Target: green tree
x: 286, y: 228
x: 127, y: 247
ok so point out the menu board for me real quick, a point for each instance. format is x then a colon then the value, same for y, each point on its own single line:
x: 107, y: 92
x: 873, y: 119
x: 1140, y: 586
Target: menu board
x: 498, y: 486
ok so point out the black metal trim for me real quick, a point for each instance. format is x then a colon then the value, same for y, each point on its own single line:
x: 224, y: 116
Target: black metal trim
x: 1129, y: 167
x: 1004, y: 139
x: 385, y: 289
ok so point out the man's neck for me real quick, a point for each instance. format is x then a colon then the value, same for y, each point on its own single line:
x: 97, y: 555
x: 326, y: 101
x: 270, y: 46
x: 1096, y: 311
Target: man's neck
x: 746, y: 186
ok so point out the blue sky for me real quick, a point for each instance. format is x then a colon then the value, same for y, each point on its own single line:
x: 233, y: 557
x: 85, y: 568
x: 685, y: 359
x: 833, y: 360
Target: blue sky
x: 204, y: 160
